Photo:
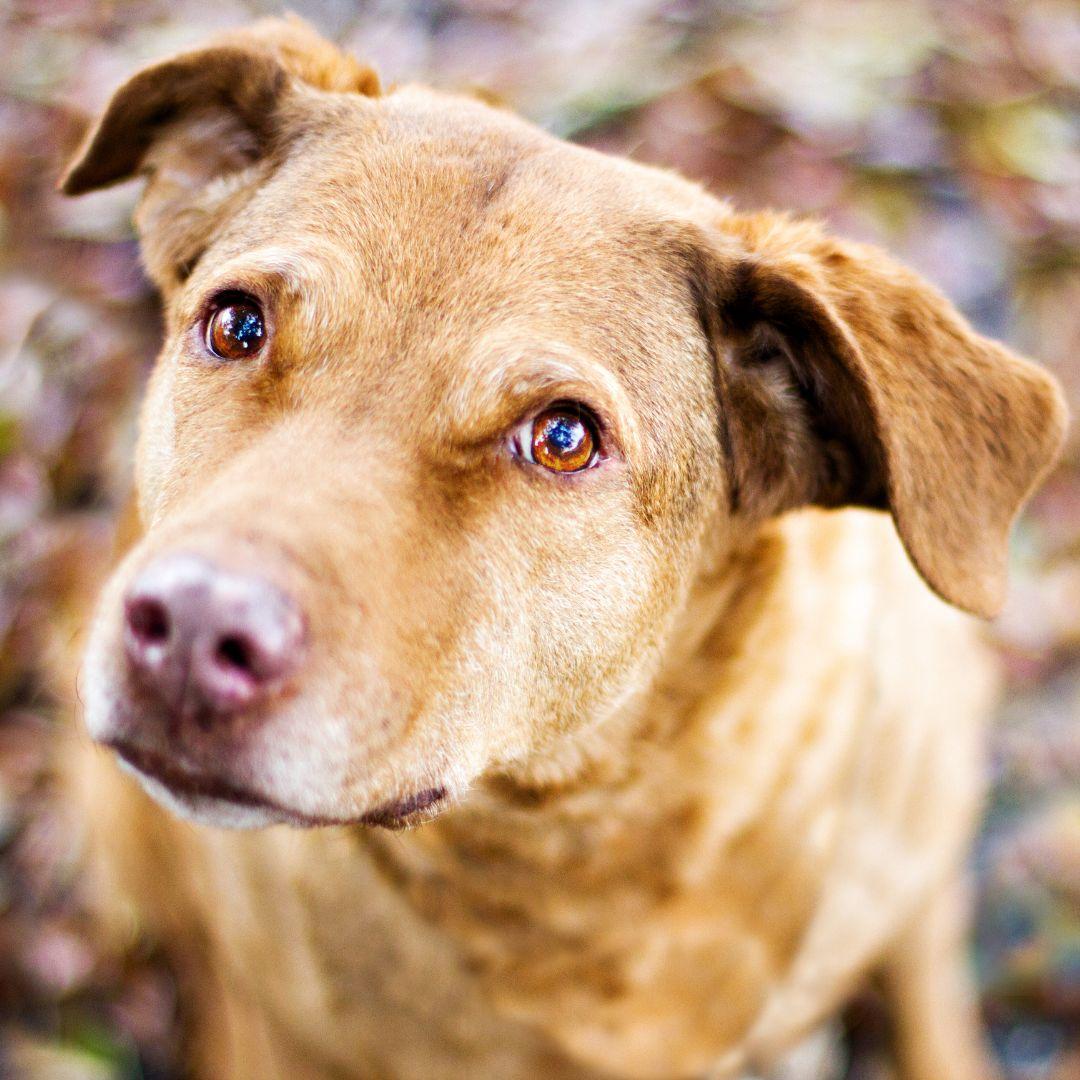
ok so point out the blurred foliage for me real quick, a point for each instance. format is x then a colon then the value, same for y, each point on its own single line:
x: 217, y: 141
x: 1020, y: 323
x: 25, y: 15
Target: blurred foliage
x: 946, y: 130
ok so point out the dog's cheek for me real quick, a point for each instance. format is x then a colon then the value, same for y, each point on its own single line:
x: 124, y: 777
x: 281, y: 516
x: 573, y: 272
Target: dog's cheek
x: 619, y: 606
x: 583, y: 643
x: 156, y: 453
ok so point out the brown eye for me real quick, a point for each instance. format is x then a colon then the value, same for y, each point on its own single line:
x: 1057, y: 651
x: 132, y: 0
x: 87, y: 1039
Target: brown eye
x: 562, y: 440
x: 235, y: 329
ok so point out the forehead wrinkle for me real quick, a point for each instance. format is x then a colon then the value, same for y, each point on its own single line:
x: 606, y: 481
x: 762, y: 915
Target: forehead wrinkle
x: 498, y: 376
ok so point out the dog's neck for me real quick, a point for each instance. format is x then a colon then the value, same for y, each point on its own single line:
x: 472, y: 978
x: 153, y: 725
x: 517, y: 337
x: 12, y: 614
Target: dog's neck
x: 663, y: 826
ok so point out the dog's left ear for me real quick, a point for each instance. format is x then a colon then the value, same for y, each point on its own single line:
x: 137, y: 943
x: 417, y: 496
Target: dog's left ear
x: 846, y: 379
x: 206, y: 116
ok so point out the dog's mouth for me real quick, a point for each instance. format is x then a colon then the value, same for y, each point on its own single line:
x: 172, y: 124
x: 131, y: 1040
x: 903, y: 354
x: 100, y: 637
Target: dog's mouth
x: 198, y: 791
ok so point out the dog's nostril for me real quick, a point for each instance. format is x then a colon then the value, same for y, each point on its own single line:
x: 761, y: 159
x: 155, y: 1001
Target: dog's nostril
x: 208, y: 642
x: 236, y: 652
x: 149, y: 621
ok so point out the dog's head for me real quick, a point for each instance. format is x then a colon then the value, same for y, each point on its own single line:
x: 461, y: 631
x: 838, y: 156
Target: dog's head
x: 451, y: 416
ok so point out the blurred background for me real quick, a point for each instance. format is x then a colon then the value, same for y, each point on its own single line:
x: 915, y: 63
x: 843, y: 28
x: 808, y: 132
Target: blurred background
x: 947, y: 131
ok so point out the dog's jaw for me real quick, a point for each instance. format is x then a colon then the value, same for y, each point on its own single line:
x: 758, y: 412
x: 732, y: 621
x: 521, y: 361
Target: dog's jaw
x: 205, y: 810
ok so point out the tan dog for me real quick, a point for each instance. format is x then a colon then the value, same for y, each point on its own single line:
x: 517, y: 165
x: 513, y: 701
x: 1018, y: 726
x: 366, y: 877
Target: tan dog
x: 460, y: 484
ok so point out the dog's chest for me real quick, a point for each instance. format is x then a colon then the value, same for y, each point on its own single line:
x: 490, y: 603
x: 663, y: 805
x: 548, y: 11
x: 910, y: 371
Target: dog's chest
x: 703, y: 915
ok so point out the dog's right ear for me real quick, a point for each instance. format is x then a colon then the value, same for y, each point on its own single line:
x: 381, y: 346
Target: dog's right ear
x: 201, y: 116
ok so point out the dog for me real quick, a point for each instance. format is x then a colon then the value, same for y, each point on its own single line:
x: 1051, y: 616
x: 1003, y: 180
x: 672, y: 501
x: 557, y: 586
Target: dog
x: 583, y: 569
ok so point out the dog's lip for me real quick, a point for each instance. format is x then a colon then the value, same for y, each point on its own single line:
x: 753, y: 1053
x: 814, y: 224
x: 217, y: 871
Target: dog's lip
x: 395, y: 814
x: 401, y: 812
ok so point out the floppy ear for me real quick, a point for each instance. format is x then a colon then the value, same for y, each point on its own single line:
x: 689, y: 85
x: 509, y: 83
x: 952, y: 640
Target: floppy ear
x: 848, y: 380
x: 203, y: 116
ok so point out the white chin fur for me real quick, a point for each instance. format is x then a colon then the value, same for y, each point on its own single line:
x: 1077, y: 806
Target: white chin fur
x: 202, y: 809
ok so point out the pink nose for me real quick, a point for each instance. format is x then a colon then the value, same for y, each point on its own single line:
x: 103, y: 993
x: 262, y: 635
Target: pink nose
x: 208, y: 642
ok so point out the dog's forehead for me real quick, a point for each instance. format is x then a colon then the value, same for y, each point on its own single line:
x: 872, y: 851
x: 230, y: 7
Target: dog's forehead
x: 415, y: 144
x: 437, y: 190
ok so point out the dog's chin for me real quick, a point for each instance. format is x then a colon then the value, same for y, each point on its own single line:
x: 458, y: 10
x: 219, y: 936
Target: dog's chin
x: 219, y: 803
x: 206, y: 799
x: 209, y: 810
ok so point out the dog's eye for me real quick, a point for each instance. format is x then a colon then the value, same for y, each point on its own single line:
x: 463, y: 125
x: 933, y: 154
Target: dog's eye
x: 562, y: 439
x: 235, y: 329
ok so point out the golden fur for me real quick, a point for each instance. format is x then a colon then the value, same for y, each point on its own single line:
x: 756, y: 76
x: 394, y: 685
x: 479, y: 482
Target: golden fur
x: 708, y: 748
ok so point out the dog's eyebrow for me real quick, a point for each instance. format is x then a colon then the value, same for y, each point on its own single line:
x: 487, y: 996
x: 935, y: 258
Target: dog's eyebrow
x: 503, y: 379
x: 522, y: 374
x: 293, y: 270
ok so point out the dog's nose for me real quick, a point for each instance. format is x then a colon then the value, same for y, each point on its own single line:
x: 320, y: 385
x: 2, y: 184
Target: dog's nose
x: 209, y: 642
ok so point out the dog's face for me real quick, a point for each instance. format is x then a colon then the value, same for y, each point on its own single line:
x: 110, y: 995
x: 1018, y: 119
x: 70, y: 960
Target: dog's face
x: 450, y: 419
